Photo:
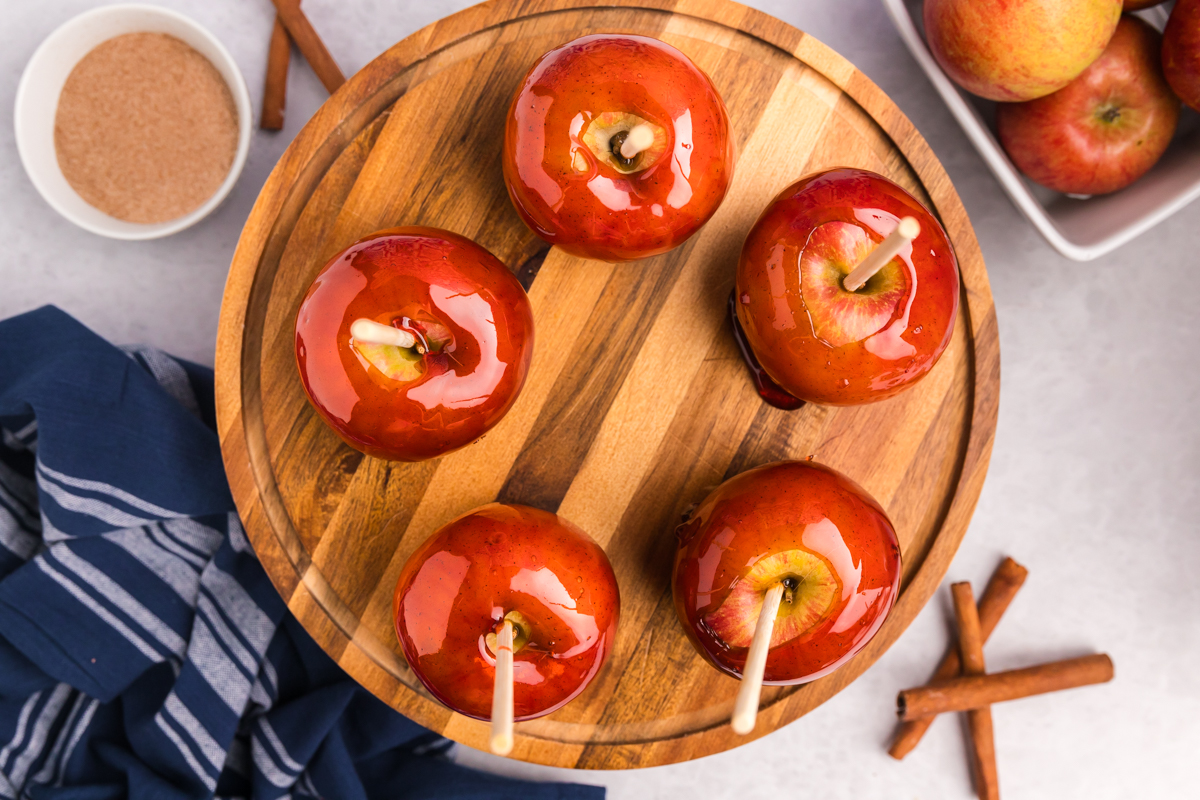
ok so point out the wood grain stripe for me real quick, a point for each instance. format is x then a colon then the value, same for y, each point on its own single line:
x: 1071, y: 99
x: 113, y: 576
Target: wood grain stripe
x: 598, y: 364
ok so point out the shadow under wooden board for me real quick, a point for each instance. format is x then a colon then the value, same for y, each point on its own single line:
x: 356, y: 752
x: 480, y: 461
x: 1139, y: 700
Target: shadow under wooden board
x: 637, y: 402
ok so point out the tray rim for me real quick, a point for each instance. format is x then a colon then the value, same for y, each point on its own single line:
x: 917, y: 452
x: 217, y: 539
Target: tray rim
x: 329, y: 128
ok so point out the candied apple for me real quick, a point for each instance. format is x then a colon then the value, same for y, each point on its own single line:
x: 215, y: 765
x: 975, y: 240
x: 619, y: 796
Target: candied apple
x: 507, y: 566
x: 413, y: 342
x: 616, y: 147
x: 809, y: 535
x: 811, y: 335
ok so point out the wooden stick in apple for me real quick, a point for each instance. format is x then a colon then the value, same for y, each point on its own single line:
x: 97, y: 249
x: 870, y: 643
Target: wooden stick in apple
x: 502, y: 693
x: 745, y: 708
x: 371, y: 332
x: 638, y: 139
x: 907, y: 230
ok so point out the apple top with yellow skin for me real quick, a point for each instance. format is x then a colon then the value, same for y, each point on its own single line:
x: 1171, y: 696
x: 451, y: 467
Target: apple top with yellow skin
x: 507, y: 562
x: 472, y: 328
x: 818, y: 341
x: 1181, y: 52
x: 797, y: 523
x: 1018, y: 49
x: 563, y: 139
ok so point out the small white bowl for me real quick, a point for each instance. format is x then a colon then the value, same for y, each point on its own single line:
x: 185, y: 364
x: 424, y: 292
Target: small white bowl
x: 1080, y: 228
x: 37, y: 105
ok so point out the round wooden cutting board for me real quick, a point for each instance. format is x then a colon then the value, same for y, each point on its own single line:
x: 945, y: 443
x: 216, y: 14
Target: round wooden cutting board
x: 637, y: 402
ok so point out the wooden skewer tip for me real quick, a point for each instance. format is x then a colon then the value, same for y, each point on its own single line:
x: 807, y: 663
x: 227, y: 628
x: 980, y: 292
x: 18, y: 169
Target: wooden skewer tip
x: 502, y: 744
x: 502, y: 692
x: 909, y: 228
x: 640, y: 137
x: 745, y: 708
x: 371, y: 332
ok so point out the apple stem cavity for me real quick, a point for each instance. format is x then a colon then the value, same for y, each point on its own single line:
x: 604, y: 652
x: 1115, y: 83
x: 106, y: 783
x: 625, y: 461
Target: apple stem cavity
x: 790, y: 585
x: 745, y: 708
x: 371, y: 332
x: 638, y: 139
x: 907, y: 230
x: 502, y: 692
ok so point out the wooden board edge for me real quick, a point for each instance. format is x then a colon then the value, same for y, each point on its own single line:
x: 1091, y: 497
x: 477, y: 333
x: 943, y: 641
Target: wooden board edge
x: 443, y: 33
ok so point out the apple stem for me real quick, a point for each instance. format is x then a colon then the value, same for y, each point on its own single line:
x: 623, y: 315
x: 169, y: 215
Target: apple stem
x: 371, y: 332
x: 639, y: 138
x: 907, y: 230
x: 745, y: 708
x: 502, y: 692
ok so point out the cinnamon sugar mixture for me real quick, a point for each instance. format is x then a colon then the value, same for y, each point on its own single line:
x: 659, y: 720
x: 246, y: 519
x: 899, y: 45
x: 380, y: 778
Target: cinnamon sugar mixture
x: 146, y: 129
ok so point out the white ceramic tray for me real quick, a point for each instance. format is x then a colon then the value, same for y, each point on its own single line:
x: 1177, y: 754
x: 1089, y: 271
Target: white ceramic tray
x: 1080, y: 229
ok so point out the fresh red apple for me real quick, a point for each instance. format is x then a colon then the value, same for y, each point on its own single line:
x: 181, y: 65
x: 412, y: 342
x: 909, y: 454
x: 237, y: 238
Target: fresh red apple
x: 801, y: 525
x: 1181, y: 51
x: 1013, y: 50
x: 413, y: 342
x: 1138, y: 5
x: 812, y: 337
x: 617, y: 147
x: 531, y: 567
x: 1106, y: 129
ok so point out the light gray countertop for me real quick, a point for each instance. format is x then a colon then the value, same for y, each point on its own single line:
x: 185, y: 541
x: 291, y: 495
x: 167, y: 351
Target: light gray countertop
x: 1092, y: 482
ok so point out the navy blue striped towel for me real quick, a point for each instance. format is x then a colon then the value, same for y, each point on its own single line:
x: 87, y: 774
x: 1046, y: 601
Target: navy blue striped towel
x: 143, y: 651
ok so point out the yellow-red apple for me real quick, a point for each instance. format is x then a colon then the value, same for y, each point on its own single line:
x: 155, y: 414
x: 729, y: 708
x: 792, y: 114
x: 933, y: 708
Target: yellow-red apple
x: 1018, y: 49
x: 1103, y: 131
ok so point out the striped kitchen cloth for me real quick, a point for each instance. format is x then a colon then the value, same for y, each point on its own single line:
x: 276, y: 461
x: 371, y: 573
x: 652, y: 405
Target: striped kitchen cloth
x: 143, y: 651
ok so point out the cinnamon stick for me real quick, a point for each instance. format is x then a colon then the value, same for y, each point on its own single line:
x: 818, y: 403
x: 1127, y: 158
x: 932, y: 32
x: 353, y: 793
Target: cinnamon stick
x: 275, y: 89
x: 310, y: 44
x: 979, y: 720
x: 977, y: 691
x: 1000, y: 591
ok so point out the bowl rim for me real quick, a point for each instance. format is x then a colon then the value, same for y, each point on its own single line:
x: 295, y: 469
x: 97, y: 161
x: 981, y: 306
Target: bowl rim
x: 123, y: 229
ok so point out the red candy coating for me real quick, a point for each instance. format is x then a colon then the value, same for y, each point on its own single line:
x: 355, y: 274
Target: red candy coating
x: 458, y: 586
x: 793, y: 507
x: 471, y: 315
x: 819, y: 342
x: 588, y: 207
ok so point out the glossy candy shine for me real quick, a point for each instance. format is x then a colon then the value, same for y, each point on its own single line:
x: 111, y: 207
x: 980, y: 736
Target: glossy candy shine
x: 775, y: 508
x: 457, y: 587
x: 415, y: 278
x: 599, y: 212
x: 778, y: 323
